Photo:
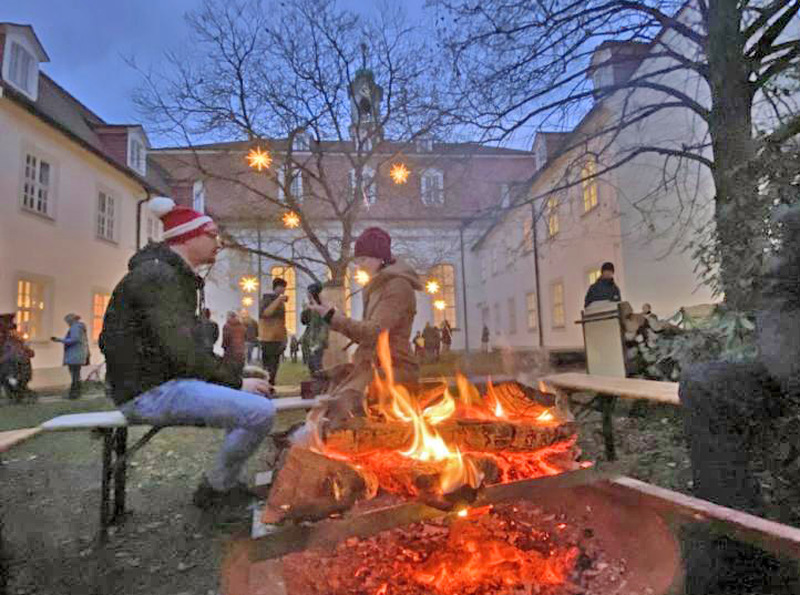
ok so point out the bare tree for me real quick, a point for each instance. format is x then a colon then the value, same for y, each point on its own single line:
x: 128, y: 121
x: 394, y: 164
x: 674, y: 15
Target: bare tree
x: 332, y: 86
x: 522, y: 64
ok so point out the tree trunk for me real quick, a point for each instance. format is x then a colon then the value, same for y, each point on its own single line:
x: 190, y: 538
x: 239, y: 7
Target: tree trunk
x: 739, y: 213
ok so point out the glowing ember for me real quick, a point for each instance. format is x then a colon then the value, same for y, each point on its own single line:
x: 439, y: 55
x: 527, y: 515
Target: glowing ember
x: 463, y: 512
x: 362, y: 277
x: 546, y: 416
x: 258, y: 159
x: 291, y: 220
x: 399, y: 173
x: 432, y: 286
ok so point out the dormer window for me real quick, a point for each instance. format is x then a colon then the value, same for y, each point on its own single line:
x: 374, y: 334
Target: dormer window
x: 301, y: 142
x: 22, y: 69
x: 432, y: 187
x: 137, y: 157
x: 424, y: 145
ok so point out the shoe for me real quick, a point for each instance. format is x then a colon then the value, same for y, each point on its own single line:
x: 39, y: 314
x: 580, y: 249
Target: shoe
x: 205, y: 497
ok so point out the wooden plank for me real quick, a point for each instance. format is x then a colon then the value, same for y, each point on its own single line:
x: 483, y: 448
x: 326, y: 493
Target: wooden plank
x: 627, y: 388
x: 782, y: 540
x: 12, y: 438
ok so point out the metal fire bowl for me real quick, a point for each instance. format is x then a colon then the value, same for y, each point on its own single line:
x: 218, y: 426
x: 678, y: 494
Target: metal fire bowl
x: 624, y: 527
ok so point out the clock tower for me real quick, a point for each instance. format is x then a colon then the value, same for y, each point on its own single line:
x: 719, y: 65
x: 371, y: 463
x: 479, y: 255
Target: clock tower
x: 365, y: 103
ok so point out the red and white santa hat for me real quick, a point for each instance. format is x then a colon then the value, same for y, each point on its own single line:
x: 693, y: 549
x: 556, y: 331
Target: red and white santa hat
x: 180, y: 223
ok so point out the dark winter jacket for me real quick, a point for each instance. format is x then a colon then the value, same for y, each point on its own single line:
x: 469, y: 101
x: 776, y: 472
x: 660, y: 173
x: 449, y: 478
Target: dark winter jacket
x: 315, y: 337
x: 152, y: 332
x: 602, y: 289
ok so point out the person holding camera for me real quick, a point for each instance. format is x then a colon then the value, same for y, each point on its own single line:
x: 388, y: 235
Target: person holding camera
x: 390, y: 305
x: 76, y: 352
x: 272, y: 328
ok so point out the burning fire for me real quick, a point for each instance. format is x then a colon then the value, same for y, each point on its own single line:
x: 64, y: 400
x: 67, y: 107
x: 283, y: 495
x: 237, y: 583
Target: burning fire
x: 431, y: 416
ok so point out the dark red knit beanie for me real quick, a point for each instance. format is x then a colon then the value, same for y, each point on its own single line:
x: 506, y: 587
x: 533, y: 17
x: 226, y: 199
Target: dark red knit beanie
x: 374, y: 242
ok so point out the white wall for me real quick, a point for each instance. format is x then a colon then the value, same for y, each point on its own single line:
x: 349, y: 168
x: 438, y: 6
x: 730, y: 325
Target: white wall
x: 64, y: 250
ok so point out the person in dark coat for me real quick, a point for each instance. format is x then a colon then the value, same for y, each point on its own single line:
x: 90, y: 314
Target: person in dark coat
x: 233, y: 341
x: 76, y: 352
x: 447, y: 337
x: 159, y: 369
x: 15, y: 360
x: 272, y: 328
x: 485, y: 339
x: 744, y: 417
x: 430, y: 335
x: 294, y: 347
x: 604, y: 288
x: 210, y: 330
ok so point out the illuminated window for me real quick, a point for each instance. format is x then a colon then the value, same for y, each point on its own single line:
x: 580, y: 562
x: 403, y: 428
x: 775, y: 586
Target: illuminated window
x: 593, y: 275
x: 99, y: 305
x: 588, y: 170
x: 445, y: 274
x: 288, y: 275
x: 552, y: 216
x: 30, y: 309
x: 530, y: 304
x: 559, y: 315
x: 512, y: 316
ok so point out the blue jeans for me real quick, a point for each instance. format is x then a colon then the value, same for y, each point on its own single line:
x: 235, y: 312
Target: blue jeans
x: 247, y: 419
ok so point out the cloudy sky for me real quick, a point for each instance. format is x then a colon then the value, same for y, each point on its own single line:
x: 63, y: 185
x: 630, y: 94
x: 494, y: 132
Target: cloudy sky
x: 88, y: 40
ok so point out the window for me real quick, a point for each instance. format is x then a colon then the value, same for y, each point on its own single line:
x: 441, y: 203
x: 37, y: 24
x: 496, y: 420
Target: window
x: 301, y: 142
x: 432, y: 187
x: 369, y: 186
x: 512, y: 316
x: 497, y: 321
x: 294, y: 185
x: 559, y: 315
x: 199, y: 196
x: 21, y: 69
x: 37, y: 185
x: 424, y: 145
x: 593, y: 275
x: 589, y: 186
x: 445, y: 274
x: 99, y: 306
x: 527, y: 234
x: 505, y: 195
x: 106, y: 217
x: 30, y: 309
x: 530, y: 305
x: 154, y: 229
x: 552, y: 216
x: 288, y: 275
x: 136, y: 155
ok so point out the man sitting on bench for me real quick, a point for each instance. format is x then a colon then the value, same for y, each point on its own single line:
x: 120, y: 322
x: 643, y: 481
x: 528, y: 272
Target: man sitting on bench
x: 159, y: 370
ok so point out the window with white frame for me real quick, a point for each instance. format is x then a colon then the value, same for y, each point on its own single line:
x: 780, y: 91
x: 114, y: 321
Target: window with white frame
x: 154, y: 229
x: 527, y: 234
x: 512, y: 316
x: 424, y: 145
x: 106, y: 216
x: 199, y: 196
x: 301, y: 142
x: 137, y: 156
x: 505, y: 195
x: 290, y: 180
x: 530, y: 307
x: 31, y: 298
x: 589, y: 185
x: 22, y: 69
x: 432, y: 187
x: 559, y: 314
x: 37, y: 191
x: 552, y: 217
x: 369, y: 185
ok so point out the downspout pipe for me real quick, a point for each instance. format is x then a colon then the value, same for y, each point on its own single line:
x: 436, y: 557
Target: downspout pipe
x: 534, y: 225
x: 139, y: 219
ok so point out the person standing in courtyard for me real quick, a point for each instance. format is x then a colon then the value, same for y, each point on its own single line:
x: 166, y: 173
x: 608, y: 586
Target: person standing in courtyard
x: 210, y: 330
x: 159, y: 369
x: 233, y: 343
x: 390, y: 306
x: 447, y: 337
x: 250, y: 334
x: 272, y: 328
x: 604, y: 288
x: 76, y: 352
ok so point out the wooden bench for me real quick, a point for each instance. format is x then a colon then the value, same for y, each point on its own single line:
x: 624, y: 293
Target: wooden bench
x: 607, y: 389
x: 113, y: 429
x: 12, y: 438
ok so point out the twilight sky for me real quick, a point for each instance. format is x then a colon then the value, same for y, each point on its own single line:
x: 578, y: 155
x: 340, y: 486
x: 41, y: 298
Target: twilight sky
x: 87, y: 41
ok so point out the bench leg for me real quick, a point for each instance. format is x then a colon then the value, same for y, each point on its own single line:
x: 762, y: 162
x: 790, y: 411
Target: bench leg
x: 105, y: 484
x: 607, y: 404
x: 120, y: 472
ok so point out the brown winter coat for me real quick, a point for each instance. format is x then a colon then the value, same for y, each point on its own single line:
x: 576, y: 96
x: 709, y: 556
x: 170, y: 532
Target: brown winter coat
x: 389, y: 304
x: 272, y: 320
x: 233, y: 334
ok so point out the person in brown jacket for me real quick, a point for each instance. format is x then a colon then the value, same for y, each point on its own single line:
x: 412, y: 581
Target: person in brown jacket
x: 389, y: 305
x: 272, y: 328
x: 233, y: 341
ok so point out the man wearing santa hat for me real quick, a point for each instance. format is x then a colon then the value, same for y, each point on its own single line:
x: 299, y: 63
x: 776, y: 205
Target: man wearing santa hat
x: 159, y: 370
